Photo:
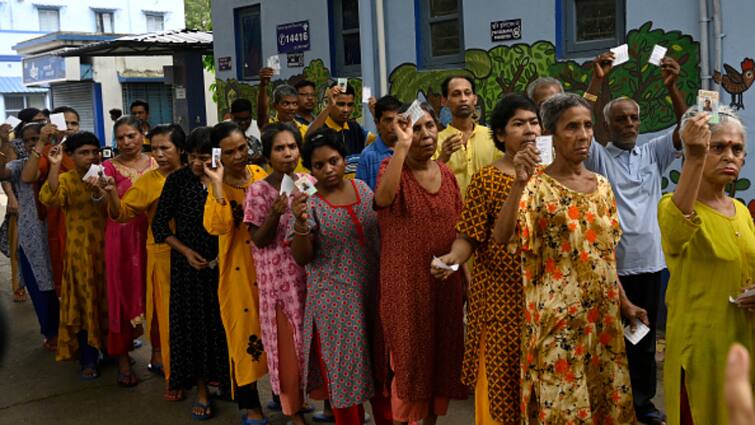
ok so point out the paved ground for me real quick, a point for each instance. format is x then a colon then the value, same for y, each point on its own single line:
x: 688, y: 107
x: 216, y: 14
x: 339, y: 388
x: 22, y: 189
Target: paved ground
x: 35, y: 389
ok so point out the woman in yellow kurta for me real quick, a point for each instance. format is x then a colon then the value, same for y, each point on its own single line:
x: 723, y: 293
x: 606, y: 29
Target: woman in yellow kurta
x: 237, y: 287
x: 83, y: 303
x: 710, y: 250
x: 168, y: 143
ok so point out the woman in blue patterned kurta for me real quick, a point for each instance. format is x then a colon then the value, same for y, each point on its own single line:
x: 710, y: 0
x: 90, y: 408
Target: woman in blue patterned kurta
x: 335, y: 235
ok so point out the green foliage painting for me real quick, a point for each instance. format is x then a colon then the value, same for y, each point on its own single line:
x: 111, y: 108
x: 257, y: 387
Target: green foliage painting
x: 506, y: 69
x: 227, y: 91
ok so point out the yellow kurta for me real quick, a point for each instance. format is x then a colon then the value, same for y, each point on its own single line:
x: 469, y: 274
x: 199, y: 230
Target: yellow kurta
x: 142, y: 197
x: 710, y: 259
x: 83, y: 300
x: 237, y: 286
x: 479, y: 152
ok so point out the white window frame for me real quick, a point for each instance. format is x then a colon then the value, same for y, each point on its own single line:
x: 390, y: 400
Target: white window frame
x: 26, y: 102
x: 100, y: 19
x: 148, y: 15
x: 48, y: 9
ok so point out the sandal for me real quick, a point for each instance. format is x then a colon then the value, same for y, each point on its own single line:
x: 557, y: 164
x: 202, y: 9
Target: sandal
x: 206, y: 409
x: 246, y: 420
x: 173, y: 395
x: 127, y: 379
x: 89, y: 372
x: 51, y: 344
x: 156, y: 368
x: 321, y: 417
x: 19, y: 295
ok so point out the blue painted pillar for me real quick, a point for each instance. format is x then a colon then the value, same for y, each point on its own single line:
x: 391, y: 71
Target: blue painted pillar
x: 368, y: 45
x: 188, y: 90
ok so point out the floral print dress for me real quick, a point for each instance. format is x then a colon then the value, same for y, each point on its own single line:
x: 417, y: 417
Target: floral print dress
x: 574, y: 368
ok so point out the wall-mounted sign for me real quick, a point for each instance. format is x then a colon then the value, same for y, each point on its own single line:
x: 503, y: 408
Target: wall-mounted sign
x: 295, y: 60
x: 293, y: 37
x: 506, y: 30
x: 180, y: 92
x: 50, y: 68
x: 224, y: 63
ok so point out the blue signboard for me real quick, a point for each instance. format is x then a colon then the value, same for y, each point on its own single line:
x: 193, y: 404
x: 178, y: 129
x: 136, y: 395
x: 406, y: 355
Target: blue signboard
x: 44, y: 69
x: 293, y: 37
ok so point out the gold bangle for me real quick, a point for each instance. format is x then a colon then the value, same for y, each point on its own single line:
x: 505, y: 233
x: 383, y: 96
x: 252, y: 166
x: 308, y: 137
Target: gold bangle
x: 590, y: 97
x: 691, y: 216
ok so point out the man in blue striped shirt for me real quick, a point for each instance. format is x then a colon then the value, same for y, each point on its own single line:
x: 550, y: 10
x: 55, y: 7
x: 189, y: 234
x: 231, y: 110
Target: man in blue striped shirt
x: 386, y: 110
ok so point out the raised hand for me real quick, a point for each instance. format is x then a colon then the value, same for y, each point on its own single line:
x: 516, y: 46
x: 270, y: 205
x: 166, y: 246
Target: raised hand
x: 5, y: 130
x: 670, y: 70
x: 696, y: 135
x: 214, y: 174
x: 299, y: 207
x: 525, y: 162
x: 48, y: 132
x: 266, y: 74
x: 602, y: 65
x: 404, y: 133
x: 55, y: 155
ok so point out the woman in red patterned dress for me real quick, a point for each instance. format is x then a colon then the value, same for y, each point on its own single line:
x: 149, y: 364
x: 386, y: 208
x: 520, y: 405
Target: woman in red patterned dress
x: 418, y: 204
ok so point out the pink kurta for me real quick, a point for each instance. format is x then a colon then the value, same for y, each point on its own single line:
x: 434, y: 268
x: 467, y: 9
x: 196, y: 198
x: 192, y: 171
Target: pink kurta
x: 281, y: 281
x: 125, y: 261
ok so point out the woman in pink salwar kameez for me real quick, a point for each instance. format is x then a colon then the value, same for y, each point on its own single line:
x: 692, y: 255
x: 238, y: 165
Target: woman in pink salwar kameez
x: 126, y: 253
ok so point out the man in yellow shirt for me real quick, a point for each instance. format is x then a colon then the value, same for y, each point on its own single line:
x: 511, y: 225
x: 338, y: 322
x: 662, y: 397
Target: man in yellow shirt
x: 465, y: 146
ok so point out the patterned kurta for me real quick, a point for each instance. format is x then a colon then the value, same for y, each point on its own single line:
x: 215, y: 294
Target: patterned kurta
x: 281, y: 281
x: 421, y: 315
x: 32, y: 231
x: 340, y: 282
x: 574, y: 369
x: 495, y: 298
x: 237, y: 286
x: 83, y: 302
x: 197, y: 339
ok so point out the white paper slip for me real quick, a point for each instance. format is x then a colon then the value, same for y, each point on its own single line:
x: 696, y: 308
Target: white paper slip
x: 274, y: 62
x: 58, y: 120
x: 746, y: 294
x: 95, y: 170
x: 305, y: 186
x: 545, y: 145
x: 414, y: 113
x: 621, y: 54
x: 639, y: 332
x: 366, y: 94
x: 12, y: 121
x: 342, y: 83
x: 287, y: 185
x: 439, y: 264
x: 657, y: 55
x: 215, y: 157
x: 212, y: 264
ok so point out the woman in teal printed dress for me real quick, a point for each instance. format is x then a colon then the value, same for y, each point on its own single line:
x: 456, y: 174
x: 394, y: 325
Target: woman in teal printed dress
x: 335, y: 235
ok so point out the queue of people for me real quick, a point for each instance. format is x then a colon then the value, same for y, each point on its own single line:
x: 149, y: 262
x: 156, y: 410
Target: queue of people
x: 403, y: 269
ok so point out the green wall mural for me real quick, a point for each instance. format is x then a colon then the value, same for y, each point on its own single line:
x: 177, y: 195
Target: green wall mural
x: 506, y: 69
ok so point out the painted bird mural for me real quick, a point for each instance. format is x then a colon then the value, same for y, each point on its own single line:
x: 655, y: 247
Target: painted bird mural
x: 735, y: 82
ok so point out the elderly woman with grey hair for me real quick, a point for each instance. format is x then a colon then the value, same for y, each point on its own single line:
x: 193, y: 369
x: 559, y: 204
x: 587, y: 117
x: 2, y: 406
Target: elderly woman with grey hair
x: 709, y: 242
x: 562, y: 219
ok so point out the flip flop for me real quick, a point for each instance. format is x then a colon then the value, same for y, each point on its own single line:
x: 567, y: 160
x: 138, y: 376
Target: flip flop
x: 245, y: 420
x: 321, y: 417
x: 156, y: 368
x: 206, y: 410
x: 19, y: 295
